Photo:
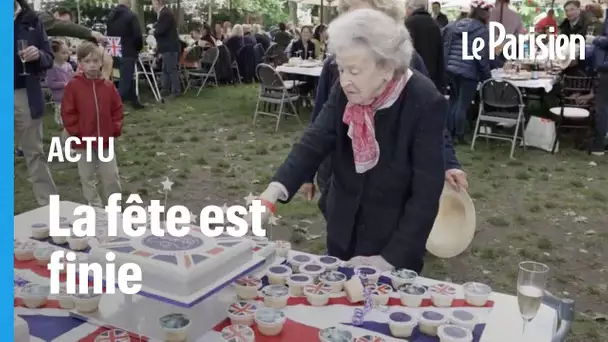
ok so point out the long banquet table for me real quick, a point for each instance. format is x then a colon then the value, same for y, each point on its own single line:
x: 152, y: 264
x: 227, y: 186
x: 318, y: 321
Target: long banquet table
x: 502, y: 319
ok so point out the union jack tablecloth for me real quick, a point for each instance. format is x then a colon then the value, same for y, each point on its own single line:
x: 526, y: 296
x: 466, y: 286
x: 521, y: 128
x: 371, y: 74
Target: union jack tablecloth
x: 52, y: 324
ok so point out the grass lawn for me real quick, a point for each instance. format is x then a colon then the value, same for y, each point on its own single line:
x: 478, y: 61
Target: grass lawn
x: 551, y: 209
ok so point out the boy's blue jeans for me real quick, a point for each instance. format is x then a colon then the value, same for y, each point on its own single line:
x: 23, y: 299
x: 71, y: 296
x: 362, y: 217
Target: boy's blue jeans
x: 601, y: 113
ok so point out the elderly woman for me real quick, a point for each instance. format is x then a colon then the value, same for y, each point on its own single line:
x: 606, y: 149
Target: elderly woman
x: 383, y: 124
x: 235, y: 42
x: 453, y: 174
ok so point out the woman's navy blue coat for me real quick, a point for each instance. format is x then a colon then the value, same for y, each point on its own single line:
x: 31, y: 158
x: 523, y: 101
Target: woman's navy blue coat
x: 390, y: 209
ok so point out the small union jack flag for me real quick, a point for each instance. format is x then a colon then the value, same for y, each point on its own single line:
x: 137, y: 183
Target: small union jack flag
x: 248, y: 281
x: 319, y: 288
x: 114, y: 48
x: 114, y: 335
x: 383, y: 289
x: 237, y: 333
x: 242, y: 309
x: 443, y: 289
x: 369, y: 338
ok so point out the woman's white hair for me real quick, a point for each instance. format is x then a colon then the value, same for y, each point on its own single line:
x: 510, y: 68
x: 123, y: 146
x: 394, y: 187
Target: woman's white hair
x: 237, y: 30
x: 392, y: 8
x: 387, y: 40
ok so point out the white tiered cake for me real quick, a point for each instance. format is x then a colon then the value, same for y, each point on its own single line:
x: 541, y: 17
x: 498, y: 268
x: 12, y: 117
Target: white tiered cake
x: 179, y: 266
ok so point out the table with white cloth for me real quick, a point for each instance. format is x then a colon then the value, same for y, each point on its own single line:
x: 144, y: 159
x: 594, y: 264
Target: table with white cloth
x: 545, y: 83
x: 314, y: 71
x: 500, y: 318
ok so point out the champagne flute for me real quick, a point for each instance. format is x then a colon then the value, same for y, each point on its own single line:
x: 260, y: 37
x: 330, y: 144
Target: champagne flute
x: 22, y: 45
x: 531, y: 283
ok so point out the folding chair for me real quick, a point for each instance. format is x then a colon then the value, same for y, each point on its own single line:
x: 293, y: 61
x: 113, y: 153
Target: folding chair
x: 275, y: 55
x: 208, y: 61
x: 565, y: 314
x: 234, y: 65
x: 143, y: 67
x: 571, y: 110
x: 500, y: 102
x: 273, y: 90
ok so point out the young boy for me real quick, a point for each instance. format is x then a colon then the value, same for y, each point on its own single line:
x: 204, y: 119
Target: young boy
x: 91, y: 107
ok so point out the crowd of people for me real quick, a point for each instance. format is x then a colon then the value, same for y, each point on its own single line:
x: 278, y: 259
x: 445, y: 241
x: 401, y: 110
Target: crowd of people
x: 380, y: 137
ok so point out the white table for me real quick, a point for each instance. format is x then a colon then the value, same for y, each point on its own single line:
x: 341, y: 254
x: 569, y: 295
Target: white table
x: 502, y: 323
x: 298, y: 70
x: 544, y: 83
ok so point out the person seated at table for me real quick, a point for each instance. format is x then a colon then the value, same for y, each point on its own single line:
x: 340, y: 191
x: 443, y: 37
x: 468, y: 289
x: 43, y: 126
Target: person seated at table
x: 329, y: 74
x: 260, y: 36
x: 218, y: 32
x: 248, y: 37
x: 304, y: 47
x: 319, y: 37
x: 465, y: 75
x: 383, y: 124
x: 282, y: 38
x: 235, y: 42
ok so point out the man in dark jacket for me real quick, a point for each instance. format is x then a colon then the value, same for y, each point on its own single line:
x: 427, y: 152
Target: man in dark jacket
x: 601, y: 101
x: 441, y: 18
x: 168, y: 45
x: 123, y: 23
x: 32, y: 59
x: 426, y: 36
x: 282, y: 38
x: 248, y: 38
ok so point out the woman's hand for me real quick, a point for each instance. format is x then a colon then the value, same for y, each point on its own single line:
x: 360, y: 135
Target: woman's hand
x: 308, y: 190
x: 457, y: 179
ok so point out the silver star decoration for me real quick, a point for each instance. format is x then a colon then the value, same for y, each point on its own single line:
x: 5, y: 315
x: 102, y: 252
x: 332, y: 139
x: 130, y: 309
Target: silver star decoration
x: 249, y: 199
x: 273, y: 220
x: 167, y: 184
x: 193, y: 217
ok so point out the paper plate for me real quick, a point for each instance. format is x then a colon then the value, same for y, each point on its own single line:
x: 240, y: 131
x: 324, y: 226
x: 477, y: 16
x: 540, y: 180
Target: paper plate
x: 454, y: 226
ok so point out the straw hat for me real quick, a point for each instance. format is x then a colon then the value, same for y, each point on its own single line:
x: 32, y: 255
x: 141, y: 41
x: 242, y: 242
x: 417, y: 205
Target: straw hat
x: 454, y: 226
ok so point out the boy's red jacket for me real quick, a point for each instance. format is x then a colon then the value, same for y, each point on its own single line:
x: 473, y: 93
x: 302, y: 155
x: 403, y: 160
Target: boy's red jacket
x: 91, y: 108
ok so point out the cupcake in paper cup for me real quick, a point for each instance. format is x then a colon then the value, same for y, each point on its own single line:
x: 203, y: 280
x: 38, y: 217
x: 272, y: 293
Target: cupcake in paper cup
x: 298, y: 260
x: 24, y: 250
x: 317, y: 294
x: 283, y: 248
x: 175, y: 326
x: 270, y: 321
x: 453, y: 333
x: 87, y: 302
x: 66, y: 301
x: 463, y: 318
x: 78, y: 243
x: 35, y: 295
x: 335, y: 279
x: 40, y: 231
x: 330, y: 263
x: 61, y: 240
x: 443, y: 295
x: 412, y: 295
x: 238, y: 333
x: 277, y: 275
x: 43, y: 255
x: 381, y: 293
x: 401, y: 324
x: 312, y: 269
x: 333, y: 334
x: 430, y: 321
x: 247, y: 287
x: 402, y: 276
x: 476, y: 294
x: 370, y: 338
x: 242, y: 312
x: 275, y: 296
x: 370, y: 272
x: 297, y: 282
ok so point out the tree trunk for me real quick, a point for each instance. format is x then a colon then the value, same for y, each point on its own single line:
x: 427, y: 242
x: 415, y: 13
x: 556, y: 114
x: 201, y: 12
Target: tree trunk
x: 293, y: 13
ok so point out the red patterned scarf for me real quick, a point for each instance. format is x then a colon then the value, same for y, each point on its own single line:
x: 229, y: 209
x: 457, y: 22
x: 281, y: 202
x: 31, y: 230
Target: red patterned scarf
x: 361, y: 124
